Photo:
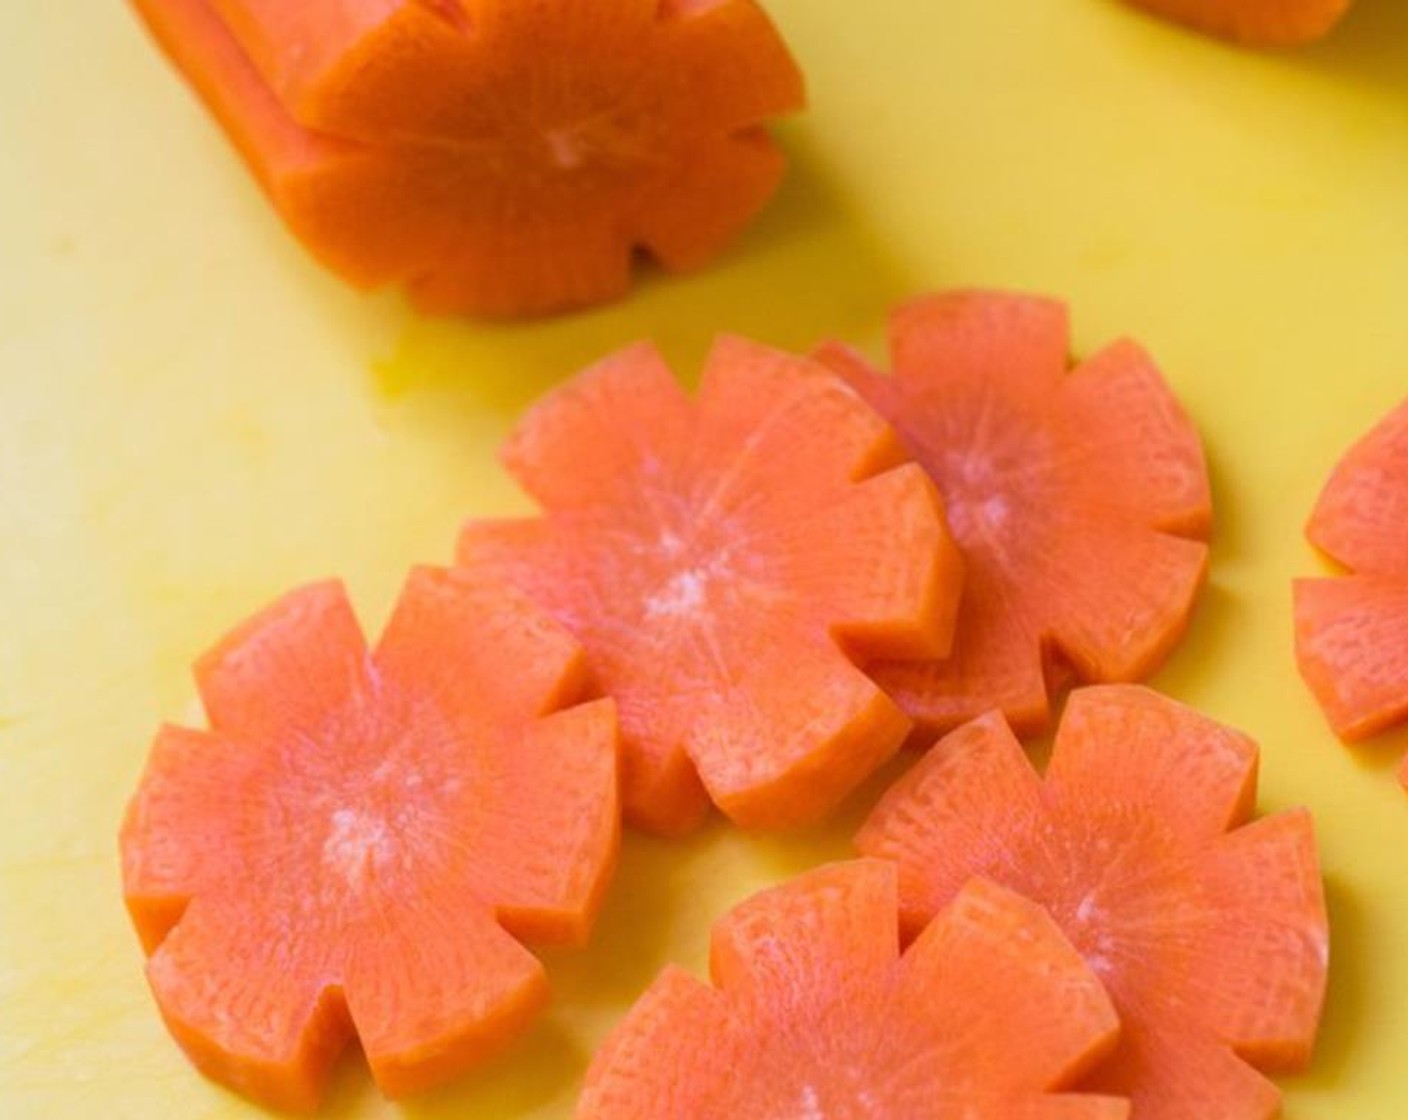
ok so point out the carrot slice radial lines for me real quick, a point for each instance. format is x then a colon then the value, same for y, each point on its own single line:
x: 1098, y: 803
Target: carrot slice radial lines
x: 1209, y: 933
x: 815, y: 1012
x: 691, y: 546
x: 1079, y: 501
x: 357, y: 842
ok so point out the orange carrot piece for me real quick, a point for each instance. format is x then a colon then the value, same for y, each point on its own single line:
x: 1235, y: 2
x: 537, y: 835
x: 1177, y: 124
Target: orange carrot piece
x: 1210, y: 933
x: 495, y: 157
x: 1352, y: 632
x: 814, y: 1012
x: 1257, y: 23
x: 355, y: 844
x: 1352, y: 650
x: 1079, y: 500
x: 726, y: 563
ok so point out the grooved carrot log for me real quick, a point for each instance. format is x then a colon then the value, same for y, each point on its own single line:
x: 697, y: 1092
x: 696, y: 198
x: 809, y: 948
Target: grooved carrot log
x: 495, y: 157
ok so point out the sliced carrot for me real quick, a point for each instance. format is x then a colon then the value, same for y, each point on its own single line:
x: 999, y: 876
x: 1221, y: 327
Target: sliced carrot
x: 1352, y: 632
x: 356, y: 842
x: 726, y: 563
x: 1079, y: 500
x: 1210, y: 933
x: 1262, y: 23
x: 495, y: 157
x: 814, y: 1012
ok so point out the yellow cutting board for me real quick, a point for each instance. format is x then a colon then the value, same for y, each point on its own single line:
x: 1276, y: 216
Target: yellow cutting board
x: 194, y: 418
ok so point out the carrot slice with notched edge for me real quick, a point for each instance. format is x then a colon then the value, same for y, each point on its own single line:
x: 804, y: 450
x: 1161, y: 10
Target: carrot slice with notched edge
x: 814, y: 1012
x: 1264, y: 23
x: 1079, y: 500
x: 726, y: 563
x: 496, y: 157
x: 1352, y: 632
x: 359, y: 838
x: 1209, y: 932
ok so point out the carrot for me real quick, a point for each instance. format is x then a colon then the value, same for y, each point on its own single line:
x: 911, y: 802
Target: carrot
x: 1352, y: 632
x: 358, y: 840
x: 496, y: 157
x: 726, y: 563
x: 1207, y: 928
x: 1261, y: 23
x: 1079, y: 501
x: 814, y: 1013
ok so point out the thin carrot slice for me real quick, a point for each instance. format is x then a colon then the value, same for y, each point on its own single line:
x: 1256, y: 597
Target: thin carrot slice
x: 495, y: 157
x: 1079, y: 500
x: 355, y: 844
x: 1210, y: 933
x: 815, y: 1012
x: 1260, y: 23
x: 1352, y: 632
x: 726, y: 563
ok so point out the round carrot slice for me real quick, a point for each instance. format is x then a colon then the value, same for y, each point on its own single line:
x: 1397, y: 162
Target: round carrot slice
x: 1079, y: 501
x: 726, y: 563
x: 1352, y: 632
x: 496, y: 157
x: 815, y: 1013
x: 1262, y: 23
x: 1209, y: 932
x: 357, y: 841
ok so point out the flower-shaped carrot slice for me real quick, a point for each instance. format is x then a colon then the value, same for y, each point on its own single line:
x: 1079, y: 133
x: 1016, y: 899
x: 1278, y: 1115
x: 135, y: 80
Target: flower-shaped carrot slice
x: 814, y: 1013
x: 725, y: 563
x: 1079, y: 501
x: 356, y: 842
x: 1352, y: 632
x: 495, y: 156
x: 1258, y: 23
x: 1209, y: 932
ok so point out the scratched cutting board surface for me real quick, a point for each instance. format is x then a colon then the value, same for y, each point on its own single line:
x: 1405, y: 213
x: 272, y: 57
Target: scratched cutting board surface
x: 194, y: 418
